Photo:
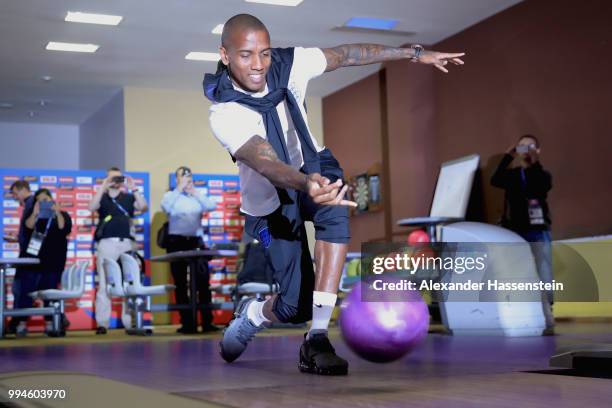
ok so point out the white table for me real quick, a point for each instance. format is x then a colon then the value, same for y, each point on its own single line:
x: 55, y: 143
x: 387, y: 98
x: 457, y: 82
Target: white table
x: 6, y: 263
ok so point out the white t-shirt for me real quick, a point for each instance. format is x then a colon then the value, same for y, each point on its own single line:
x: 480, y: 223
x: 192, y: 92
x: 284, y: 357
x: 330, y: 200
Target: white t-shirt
x: 234, y: 124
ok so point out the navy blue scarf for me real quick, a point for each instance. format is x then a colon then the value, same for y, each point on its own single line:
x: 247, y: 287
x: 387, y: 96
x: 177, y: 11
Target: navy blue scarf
x: 219, y: 88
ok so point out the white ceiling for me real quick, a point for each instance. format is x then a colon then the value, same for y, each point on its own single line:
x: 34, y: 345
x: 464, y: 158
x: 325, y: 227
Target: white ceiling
x: 148, y: 48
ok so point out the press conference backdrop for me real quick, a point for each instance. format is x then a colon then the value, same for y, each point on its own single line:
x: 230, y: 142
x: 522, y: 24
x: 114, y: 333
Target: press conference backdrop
x: 73, y: 190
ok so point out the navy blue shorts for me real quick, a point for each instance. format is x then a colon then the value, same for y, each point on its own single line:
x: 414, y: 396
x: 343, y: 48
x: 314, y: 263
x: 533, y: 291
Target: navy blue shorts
x: 283, y: 235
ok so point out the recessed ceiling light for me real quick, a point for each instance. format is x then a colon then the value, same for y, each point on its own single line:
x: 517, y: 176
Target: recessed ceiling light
x: 6, y: 105
x: 46, y: 78
x: 203, y: 56
x: 292, y: 3
x: 218, y: 29
x: 372, y: 23
x: 104, y: 19
x: 73, y: 47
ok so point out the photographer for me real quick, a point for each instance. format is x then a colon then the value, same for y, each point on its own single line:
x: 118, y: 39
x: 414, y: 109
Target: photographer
x: 46, y: 233
x: 526, y: 210
x: 185, y: 206
x: 113, y: 235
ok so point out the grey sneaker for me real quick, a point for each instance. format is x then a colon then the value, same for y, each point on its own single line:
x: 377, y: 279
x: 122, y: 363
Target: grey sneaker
x: 239, y: 332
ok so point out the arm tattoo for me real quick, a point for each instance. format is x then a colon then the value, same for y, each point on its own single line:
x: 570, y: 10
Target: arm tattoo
x: 259, y: 155
x: 362, y: 54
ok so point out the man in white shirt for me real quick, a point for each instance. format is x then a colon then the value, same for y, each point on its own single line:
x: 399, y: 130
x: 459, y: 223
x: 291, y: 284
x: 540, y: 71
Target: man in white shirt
x: 287, y: 178
x: 185, y: 206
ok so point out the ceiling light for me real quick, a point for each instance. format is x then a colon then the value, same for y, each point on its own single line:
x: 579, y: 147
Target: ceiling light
x: 203, y: 56
x: 6, y: 105
x: 46, y: 78
x: 371, y: 23
x: 105, y: 19
x: 218, y: 29
x: 73, y: 47
x: 31, y: 114
x: 291, y: 3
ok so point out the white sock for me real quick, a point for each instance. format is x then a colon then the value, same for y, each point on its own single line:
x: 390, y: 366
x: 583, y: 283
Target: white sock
x: 255, y: 313
x: 323, y: 304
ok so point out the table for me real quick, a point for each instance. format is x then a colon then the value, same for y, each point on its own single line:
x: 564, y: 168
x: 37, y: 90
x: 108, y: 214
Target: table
x: 192, y: 257
x: 6, y: 263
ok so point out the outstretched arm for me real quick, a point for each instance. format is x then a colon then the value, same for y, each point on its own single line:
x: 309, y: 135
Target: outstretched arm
x: 259, y: 155
x: 348, y: 55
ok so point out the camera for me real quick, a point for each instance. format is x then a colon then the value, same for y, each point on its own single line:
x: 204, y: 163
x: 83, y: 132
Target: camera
x: 46, y: 210
x: 118, y: 179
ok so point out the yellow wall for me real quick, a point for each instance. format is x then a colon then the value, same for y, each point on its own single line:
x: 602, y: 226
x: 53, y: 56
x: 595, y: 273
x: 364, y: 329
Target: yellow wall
x: 165, y: 129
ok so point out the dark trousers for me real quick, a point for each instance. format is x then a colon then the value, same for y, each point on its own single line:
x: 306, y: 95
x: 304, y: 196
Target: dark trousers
x: 27, y: 281
x: 180, y: 274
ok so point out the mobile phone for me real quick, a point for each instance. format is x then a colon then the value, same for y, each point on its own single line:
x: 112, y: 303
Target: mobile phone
x: 522, y: 148
x: 46, y: 210
x: 118, y: 179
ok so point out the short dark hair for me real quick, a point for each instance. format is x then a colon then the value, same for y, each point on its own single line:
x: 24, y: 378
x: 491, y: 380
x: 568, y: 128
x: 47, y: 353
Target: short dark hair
x: 42, y: 191
x: 537, y: 142
x: 114, y: 168
x: 20, y: 185
x: 241, y: 22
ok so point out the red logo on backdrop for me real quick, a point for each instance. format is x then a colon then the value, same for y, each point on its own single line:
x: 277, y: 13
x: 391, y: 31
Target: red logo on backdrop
x: 83, y: 246
x: 83, y: 228
x: 66, y: 204
x: 231, y: 184
x: 8, y: 195
x: 11, y: 178
x: 99, y: 180
x: 199, y: 183
x: 63, y: 196
x: 231, y: 191
x: 138, y: 181
x: 14, y: 213
x: 30, y: 178
x: 216, y: 183
x: 84, y: 188
x: 215, y: 191
x: 82, y: 204
x: 66, y: 187
x: 66, y: 179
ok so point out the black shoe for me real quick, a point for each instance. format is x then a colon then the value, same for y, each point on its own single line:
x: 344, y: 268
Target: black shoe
x: 187, y: 330
x: 317, y: 356
x: 101, y: 330
x: 210, y: 328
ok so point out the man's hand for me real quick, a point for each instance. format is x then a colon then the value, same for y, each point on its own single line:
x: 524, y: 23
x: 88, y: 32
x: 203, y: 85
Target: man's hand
x: 106, y: 184
x: 129, y: 182
x: 511, y: 151
x: 533, y: 155
x: 325, y: 193
x: 182, y: 185
x: 440, y: 59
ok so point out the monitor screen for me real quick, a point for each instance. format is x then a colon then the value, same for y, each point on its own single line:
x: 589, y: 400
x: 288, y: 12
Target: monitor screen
x: 454, y: 187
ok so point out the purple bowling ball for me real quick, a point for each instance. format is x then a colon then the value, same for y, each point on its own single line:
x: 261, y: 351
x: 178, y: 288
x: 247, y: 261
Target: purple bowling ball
x: 383, y: 331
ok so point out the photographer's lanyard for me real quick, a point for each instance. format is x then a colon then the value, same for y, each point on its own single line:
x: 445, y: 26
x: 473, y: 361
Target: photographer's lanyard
x: 534, y: 209
x: 120, y: 207
x: 37, y: 238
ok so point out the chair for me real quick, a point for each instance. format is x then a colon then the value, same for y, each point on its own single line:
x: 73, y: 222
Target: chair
x: 72, y: 287
x: 139, y: 296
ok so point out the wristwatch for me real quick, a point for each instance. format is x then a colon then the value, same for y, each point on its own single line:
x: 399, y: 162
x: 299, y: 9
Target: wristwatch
x: 418, y: 50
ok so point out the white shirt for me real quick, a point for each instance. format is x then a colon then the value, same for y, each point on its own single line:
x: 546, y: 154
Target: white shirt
x: 185, y: 212
x: 234, y: 124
